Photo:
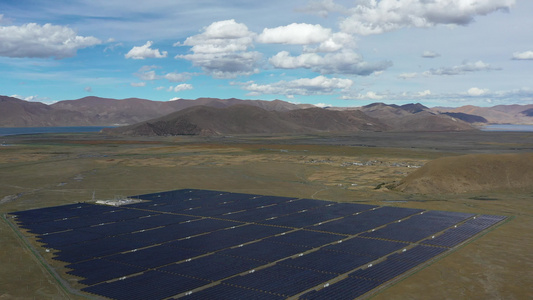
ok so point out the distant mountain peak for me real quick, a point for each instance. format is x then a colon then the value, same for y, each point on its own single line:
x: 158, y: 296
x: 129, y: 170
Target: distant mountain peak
x: 414, y: 108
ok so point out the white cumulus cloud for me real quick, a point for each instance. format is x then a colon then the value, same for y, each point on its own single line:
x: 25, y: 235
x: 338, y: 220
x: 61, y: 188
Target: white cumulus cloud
x: 465, y: 67
x: 477, y: 91
x: 177, y: 77
x: 33, y: 40
x: 375, y: 17
x: 371, y: 95
x: 295, y: 34
x: 148, y: 73
x: 343, y: 62
x: 407, y: 75
x: 144, y: 51
x: 527, y: 55
x: 430, y: 54
x: 424, y: 93
x: 180, y: 87
x: 319, y: 85
x: 138, y: 84
x: 221, y: 50
x: 336, y: 42
x: 322, y: 8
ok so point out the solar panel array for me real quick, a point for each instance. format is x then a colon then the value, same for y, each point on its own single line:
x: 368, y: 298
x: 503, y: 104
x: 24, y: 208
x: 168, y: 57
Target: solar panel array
x: 200, y: 244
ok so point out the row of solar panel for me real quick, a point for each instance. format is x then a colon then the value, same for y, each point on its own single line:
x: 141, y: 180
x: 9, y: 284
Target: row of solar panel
x: 188, y: 248
x: 418, y: 226
x: 79, y: 235
x: 349, y: 288
x: 229, y: 292
x: 210, y: 203
x: 59, y: 212
x: 362, y: 281
x: 110, y: 245
x: 149, y: 285
x: 281, y: 280
x: 454, y: 236
x: 85, y: 221
x: 365, y: 220
x: 353, y: 253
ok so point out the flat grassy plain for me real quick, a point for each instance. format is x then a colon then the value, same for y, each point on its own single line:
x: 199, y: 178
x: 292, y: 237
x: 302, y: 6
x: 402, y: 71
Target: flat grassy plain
x: 54, y: 169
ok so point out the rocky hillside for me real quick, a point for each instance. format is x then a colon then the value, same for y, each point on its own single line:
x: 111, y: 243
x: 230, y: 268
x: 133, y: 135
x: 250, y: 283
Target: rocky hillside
x: 500, y: 114
x: 96, y: 111
x: 414, y: 117
x: 245, y: 119
x: 472, y: 173
x: 19, y: 113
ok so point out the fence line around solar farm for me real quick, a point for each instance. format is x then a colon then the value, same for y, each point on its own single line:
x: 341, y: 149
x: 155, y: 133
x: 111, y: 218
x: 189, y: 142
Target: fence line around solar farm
x: 64, y: 286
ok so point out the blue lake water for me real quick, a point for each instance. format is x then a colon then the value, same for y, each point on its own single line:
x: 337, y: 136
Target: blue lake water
x: 80, y: 129
x: 507, y: 127
x: 34, y: 130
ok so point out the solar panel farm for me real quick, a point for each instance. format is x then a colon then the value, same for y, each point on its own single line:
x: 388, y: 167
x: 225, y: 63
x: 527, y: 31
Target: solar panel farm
x: 212, y: 243
x: 240, y: 219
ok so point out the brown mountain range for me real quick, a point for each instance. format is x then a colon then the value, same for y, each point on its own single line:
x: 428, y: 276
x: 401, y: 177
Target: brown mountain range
x: 96, y: 111
x: 250, y: 116
x: 414, y: 117
x: 500, y: 114
x: 246, y: 119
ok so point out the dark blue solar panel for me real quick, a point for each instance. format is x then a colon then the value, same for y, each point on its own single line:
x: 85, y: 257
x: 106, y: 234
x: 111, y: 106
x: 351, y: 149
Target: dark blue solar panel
x: 349, y: 288
x: 154, y: 256
x: 177, y: 195
x: 450, y: 238
x: 285, y: 208
x: 265, y: 251
x: 399, y: 233
x: 336, y: 210
x: 228, y: 292
x: 99, y: 270
x: 281, y: 280
x: 418, y: 226
x: 43, y: 228
x: 97, y: 248
x: 82, y: 221
x: 484, y: 221
x: 454, y: 236
x: 370, y: 247
x: 268, y: 200
x: 117, y: 228
x: 212, y: 267
x: 182, y: 230
x: 385, y: 270
x: 150, y: 285
x: 306, y: 238
x: 298, y: 220
x: 418, y: 254
x: 163, y: 219
x: 227, y: 238
x: 366, y: 220
x: 56, y: 240
x: 328, y: 261
x: 59, y: 212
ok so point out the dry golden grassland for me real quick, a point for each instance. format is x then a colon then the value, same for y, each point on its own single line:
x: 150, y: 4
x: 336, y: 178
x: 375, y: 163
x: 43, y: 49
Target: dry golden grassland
x: 54, y: 170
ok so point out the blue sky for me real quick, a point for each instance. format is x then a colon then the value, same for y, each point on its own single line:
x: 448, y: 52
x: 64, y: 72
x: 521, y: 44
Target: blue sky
x: 324, y: 52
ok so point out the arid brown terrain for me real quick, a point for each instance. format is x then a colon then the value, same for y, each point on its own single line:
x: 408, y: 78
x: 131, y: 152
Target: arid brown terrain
x: 55, y: 169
